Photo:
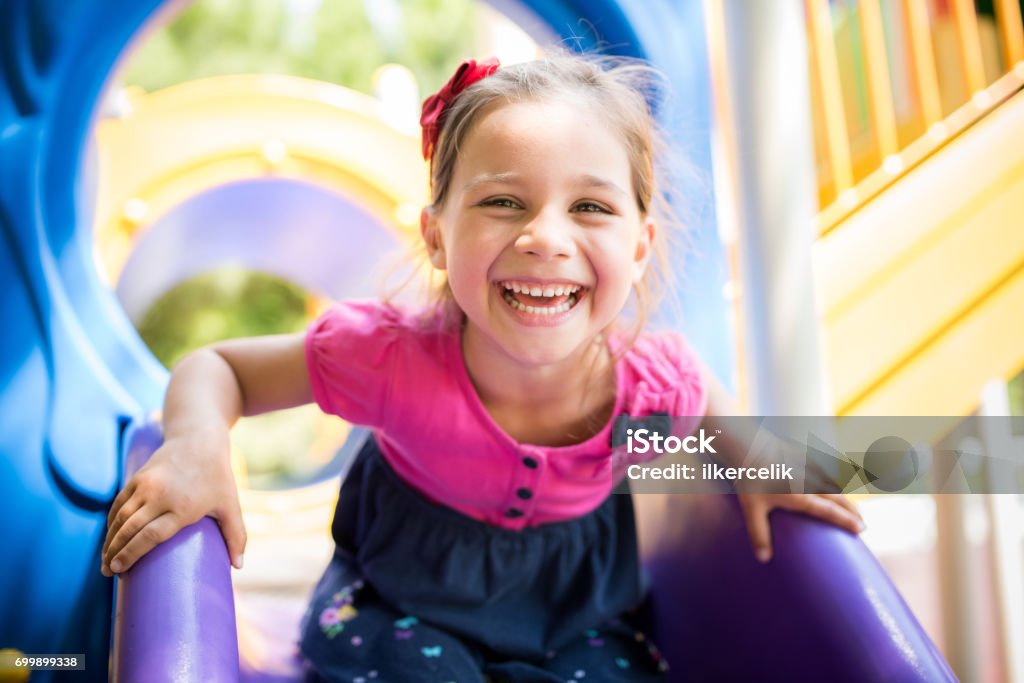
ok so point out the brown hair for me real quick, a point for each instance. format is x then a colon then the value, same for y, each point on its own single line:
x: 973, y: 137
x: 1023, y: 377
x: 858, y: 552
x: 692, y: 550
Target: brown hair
x: 621, y: 89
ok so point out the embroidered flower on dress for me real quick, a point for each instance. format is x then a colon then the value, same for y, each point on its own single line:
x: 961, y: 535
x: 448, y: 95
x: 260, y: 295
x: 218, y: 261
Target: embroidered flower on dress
x: 339, y: 610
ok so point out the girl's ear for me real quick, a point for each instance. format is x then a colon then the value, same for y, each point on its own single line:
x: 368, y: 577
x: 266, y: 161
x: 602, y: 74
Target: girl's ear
x: 431, y: 231
x: 644, y: 245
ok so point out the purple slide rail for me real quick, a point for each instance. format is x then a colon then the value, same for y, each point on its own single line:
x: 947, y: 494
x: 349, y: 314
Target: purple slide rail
x: 175, y: 612
x: 822, y: 610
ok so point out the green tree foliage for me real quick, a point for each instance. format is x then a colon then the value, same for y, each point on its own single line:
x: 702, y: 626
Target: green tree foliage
x: 327, y: 40
x: 223, y: 304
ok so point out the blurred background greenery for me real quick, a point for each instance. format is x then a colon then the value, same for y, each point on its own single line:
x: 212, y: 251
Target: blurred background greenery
x: 338, y: 41
x: 225, y: 303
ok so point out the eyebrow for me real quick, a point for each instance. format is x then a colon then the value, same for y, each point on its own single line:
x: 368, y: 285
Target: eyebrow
x: 597, y: 181
x: 505, y: 178
x: 587, y: 180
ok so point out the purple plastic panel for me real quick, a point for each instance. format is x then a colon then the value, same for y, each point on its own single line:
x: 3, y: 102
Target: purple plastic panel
x: 175, y: 618
x: 321, y: 240
x: 822, y: 610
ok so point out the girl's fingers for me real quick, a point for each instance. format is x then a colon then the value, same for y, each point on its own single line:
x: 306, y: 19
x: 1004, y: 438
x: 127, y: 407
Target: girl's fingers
x: 150, y: 535
x: 127, y: 531
x: 846, y: 503
x: 117, y: 520
x: 123, y: 496
x: 232, y: 528
x: 120, y: 499
x: 759, y: 531
x: 830, y: 511
x: 834, y: 508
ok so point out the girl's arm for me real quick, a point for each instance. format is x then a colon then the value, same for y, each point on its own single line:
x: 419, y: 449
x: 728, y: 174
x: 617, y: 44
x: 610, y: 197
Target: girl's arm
x: 732, y: 450
x: 189, y: 476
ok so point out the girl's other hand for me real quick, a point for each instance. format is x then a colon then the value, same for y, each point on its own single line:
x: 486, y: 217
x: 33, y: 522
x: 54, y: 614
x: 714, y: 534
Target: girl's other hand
x: 171, y: 492
x: 831, y: 507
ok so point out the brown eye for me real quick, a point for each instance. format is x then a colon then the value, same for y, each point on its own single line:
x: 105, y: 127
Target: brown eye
x: 501, y: 203
x: 590, y: 207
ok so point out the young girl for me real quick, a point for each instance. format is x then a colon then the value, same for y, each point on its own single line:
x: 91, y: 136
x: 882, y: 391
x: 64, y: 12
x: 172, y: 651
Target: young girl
x: 477, y: 537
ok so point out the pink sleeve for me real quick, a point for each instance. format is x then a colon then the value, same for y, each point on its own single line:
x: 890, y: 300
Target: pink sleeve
x: 668, y: 381
x: 350, y: 354
x: 692, y: 397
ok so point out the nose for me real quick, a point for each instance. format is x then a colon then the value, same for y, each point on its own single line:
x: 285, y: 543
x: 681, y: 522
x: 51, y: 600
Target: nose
x: 548, y: 236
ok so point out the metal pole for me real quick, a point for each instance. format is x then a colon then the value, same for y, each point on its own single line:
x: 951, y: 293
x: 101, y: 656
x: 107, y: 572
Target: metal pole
x: 771, y: 168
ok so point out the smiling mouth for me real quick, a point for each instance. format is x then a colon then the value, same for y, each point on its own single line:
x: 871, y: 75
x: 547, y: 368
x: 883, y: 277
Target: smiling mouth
x: 537, y: 299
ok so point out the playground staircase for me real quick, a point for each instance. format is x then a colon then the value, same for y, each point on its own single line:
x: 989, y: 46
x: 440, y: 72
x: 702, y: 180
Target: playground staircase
x: 918, y: 115
x: 921, y: 288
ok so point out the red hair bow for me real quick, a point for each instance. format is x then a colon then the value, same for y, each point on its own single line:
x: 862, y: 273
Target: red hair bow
x: 434, y: 107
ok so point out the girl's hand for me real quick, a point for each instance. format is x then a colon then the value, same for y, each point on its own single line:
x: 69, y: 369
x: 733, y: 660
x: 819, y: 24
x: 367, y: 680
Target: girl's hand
x: 171, y: 492
x: 831, y: 507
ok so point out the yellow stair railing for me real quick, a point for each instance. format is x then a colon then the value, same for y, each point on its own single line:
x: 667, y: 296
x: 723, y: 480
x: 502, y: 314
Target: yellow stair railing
x: 891, y: 82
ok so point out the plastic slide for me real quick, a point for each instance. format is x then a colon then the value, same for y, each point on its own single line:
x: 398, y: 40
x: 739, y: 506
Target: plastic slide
x: 716, y: 613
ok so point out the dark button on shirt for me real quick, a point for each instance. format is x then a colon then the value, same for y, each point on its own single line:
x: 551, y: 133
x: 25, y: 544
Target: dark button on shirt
x: 530, y: 462
x: 513, y: 513
x: 524, y: 493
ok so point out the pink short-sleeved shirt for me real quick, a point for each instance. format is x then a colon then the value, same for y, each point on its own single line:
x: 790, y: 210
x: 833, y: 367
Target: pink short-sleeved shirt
x: 379, y: 366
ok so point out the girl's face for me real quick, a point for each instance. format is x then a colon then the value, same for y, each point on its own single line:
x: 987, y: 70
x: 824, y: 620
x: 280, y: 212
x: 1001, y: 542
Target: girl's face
x: 540, y: 233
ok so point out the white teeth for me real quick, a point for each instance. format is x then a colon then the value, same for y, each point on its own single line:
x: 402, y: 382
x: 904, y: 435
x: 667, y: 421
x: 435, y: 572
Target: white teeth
x: 539, y: 310
x: 535, y: 290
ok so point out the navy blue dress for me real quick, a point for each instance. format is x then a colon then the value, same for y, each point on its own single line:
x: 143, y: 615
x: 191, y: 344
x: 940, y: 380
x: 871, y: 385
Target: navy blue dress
x: 417, y: 591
